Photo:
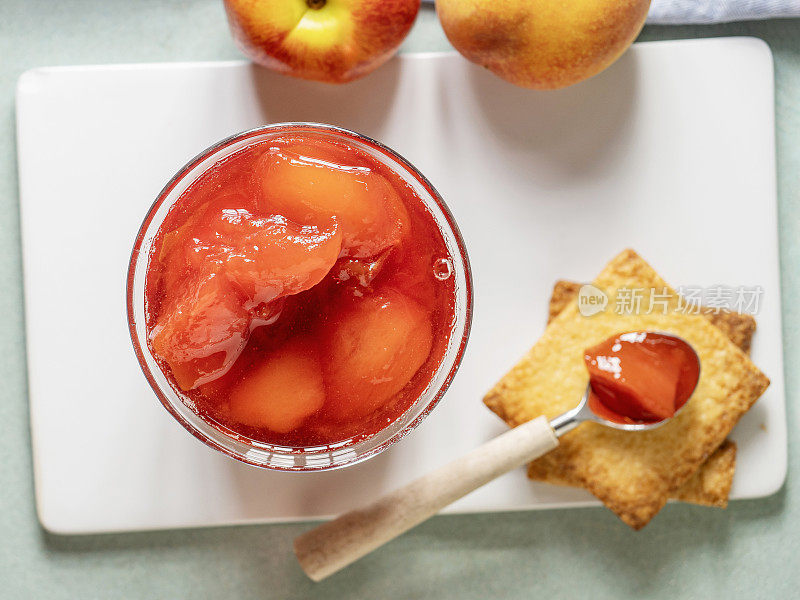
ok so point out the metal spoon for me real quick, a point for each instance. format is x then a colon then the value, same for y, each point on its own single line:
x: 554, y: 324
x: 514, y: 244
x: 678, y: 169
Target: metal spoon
x: 334, y: 545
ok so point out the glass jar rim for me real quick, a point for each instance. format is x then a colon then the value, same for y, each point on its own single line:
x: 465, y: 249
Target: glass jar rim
x: 285, y: 458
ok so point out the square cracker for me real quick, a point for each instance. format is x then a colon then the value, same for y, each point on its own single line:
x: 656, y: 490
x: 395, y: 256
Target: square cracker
x: 631, y: 472
x: 711, y: 484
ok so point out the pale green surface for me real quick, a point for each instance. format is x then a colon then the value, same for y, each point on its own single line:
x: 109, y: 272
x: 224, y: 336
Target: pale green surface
x: 749, y: 551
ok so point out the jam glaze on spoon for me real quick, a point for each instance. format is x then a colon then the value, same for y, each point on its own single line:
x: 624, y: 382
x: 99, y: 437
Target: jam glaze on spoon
x: 648, y: 375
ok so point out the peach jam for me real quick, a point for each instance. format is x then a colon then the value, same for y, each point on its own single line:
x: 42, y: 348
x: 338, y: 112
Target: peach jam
x: 299, y: 293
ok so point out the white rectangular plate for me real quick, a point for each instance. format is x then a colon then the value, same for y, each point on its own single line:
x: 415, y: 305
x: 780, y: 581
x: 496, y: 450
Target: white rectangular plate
x: 670, y: 151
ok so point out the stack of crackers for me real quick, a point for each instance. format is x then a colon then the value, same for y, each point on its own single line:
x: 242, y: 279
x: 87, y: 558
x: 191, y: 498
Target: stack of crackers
x: 634, y: 473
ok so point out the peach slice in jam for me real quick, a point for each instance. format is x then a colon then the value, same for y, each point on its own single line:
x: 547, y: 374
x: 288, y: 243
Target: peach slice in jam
x: 314, y: 191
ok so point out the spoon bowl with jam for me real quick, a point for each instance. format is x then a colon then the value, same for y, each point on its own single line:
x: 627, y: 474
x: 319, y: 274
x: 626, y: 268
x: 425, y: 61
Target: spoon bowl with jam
x: 638, y: 381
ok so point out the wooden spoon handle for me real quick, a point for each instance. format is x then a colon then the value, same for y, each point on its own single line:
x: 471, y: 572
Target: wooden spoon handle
x: 334, y: 545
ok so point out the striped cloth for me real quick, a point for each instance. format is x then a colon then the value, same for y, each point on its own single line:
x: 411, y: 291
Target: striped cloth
x: 720, y: 11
